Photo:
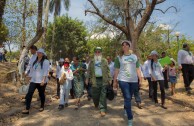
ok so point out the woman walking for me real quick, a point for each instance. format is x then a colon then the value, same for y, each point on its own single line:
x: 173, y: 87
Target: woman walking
x: 78, y: 72
x: 38, y: 80
x: 155, y: 71
x: 127, y: 73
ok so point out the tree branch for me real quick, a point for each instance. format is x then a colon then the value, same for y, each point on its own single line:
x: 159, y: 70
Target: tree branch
x: 97, y: 12
x: 160, y: 1
x: 167, y: 9
x: 146, y: 16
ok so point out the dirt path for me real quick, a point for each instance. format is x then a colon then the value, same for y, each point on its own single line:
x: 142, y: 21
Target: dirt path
x: 87, y: 115
x: 180, y: 110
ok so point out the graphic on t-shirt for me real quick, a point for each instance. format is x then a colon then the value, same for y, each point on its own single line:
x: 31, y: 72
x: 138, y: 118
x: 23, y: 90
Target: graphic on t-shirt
x: 98, y: 69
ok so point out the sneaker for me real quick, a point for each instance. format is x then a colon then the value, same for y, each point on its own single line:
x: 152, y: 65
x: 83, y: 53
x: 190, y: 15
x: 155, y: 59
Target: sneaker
x: 41, y: 109
x: 164, y: 107
x: 139, y: 105
x: 130, y: 122
x: 66, y: 105
x: 102, y: 114
x: 61, y: 107
x: 188, y: 92
x: 25, y: 112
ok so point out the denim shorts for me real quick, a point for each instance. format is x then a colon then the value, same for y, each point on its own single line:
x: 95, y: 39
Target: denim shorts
x: 173, y: 79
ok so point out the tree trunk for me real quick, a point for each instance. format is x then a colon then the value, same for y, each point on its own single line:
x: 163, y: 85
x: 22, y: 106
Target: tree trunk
x: 53, y: 37
x: 45, y: 23
x: 23, y: 25
x: 2, y: 7
x: 39, y: 31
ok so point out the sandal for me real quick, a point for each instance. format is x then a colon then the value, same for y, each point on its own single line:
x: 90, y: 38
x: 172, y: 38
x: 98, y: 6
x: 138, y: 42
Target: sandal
x: 41, y: 109
x: 25, y: 111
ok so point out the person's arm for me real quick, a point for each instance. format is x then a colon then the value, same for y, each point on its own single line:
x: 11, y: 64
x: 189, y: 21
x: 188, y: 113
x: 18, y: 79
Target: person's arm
x: 138, y: 72
x: 45, y: 71
x: 88, y: 75
x: 180, y: 53
x: 116, y: 72
x: 57, y: 72
x: 151, y: 71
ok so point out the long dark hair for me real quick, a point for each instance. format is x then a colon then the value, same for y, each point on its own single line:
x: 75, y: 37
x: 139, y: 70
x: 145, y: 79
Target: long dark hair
x: 152, y: 62
x: 41, y: 61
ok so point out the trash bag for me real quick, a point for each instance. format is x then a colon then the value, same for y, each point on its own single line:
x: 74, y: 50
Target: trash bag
x: 110, y: 93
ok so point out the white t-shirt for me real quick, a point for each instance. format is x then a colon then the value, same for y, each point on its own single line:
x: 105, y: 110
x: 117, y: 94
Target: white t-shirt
x: 156, y: 72
x: 111, y: 67
x: 98, y: 69
x: 38, y: 73
x: 59, y: 71
x: 146, y: 68
x: 69, y: 76
x: 128, y: 65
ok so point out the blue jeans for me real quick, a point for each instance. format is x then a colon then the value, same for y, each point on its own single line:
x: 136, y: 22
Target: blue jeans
x: 128, y: 89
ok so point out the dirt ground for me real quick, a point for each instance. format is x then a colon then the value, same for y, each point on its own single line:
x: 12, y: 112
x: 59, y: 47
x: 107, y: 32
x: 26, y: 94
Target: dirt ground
x: 180, y: 110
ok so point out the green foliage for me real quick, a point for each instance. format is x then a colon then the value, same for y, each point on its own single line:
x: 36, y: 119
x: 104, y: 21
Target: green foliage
x: 70, y: 38
x: 13, y: 55
x: 3, y: 33
x: 109, y: 46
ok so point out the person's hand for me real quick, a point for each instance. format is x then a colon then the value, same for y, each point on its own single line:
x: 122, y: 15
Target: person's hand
x: 180, y: 67
x: 140, y: 83
x: 153, y: 79
x: 115, y: 86
x: 86, y: 81
x: 42, y: 83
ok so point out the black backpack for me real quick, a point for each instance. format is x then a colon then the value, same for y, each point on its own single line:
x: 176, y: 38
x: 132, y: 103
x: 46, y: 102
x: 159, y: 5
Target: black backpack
x: 110, y: 93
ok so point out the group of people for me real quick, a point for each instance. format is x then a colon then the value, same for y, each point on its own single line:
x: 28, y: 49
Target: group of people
x: 95, y: 74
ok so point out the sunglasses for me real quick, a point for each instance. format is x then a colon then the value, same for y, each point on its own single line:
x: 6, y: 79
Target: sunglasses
x: 98, y: 51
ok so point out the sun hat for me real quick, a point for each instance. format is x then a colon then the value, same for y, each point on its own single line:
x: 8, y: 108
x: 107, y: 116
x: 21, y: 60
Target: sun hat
x: 41, y: 50
x: 126, y: 41
x: 61, y: 60
x: 154, y: 53
x: 98, y: 48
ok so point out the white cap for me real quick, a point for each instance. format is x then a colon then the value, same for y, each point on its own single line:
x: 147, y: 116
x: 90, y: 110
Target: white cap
x: 127, y: 41
x: 173, y: 60
x: 61, y: 60
x: 41, y: 50
x: 154, y: 53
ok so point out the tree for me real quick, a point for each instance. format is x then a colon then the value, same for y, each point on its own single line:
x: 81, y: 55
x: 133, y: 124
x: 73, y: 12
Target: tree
x: 55, y: 6
x: 2, y: 7
x: 70, y: 37
x: 39, y: 31
x: 46, y: 12
x: 20, y: 17
x: 3, y: 33
x: 129, y: 16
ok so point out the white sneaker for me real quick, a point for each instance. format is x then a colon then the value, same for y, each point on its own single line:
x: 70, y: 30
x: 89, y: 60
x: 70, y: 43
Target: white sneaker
x: 130, y: 122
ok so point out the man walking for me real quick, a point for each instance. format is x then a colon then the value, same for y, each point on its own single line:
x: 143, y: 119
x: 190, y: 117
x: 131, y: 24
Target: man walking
x: 99, y: 75
x: 186, y: 64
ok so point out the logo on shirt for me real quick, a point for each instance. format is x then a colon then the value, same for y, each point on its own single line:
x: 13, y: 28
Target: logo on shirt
x: 98, y: 64
x: 129, y: 59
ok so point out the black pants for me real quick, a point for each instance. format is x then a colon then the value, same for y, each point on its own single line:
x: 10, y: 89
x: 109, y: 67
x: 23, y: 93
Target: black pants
x: 155, y: 87
x: 58, y: 87
x: 150, y: 87
x: 32, y: 88
x: 165, y: 79
x: 188, y: 75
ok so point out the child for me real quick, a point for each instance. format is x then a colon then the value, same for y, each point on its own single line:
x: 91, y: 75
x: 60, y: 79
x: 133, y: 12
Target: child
x: 172, y: 76
x: 65, y: 88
